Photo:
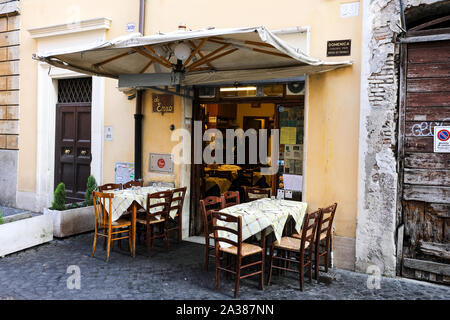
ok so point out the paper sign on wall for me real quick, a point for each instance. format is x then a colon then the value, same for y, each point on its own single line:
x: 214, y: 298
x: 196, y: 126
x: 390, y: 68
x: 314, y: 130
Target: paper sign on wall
x: 293, y: 182
x: 288, y: 135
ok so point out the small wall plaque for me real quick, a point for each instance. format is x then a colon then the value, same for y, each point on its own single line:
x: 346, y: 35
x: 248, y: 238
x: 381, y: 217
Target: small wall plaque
x: 163, y: 103
x: 161, y: 162
x: 337, y: 48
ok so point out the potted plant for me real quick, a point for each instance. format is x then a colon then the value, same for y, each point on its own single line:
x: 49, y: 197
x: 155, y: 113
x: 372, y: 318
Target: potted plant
x: 73, y: 218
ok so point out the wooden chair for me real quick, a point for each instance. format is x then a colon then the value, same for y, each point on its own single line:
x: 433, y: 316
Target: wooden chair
x: 104, y: 226
x: 110, y: 186
x: 297, y: 247
x: 257, y: 193
x: 207, y: 205
x: 133, y: 183
x: 157, y: 213
x: 230, y: 198
x: 177, y: 204
x: 247, y: 174
x: 238, y: 249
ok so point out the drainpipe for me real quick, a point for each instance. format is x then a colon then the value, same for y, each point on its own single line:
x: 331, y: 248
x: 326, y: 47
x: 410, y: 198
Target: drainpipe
x: 138, y: 114
x: 402, y: 14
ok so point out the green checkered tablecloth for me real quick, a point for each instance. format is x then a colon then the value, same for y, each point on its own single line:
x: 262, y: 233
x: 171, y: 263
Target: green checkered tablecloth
x: 124, y: 198
x: 261, y: 214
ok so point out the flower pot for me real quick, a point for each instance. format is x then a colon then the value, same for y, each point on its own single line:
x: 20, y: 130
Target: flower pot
x: 25, y: 233
x: 72, y: 221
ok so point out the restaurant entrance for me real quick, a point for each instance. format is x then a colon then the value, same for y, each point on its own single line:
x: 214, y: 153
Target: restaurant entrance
x: 271, y: 119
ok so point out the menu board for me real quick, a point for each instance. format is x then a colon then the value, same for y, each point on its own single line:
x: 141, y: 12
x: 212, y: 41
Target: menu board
x: 123, y: 172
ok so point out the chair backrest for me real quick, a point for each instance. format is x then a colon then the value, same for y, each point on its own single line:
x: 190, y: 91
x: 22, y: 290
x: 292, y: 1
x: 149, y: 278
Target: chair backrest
x: 247, y: 174
x: 110, y: 186
x: 230, y: 198
x: 102, y: 208
x: 309, y: 231
x: 207, y: 206
x: 132, y: 183
x: 256, y: 193
x: 178, y: 200
x: 326, y: 222
x: 158, y: 204
x: 235, y: 230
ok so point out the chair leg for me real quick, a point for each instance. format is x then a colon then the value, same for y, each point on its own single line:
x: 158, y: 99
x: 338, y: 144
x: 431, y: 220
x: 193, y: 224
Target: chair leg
x: 166, y: 236
x: 261, y: 284
x: 238, y: 276
x: 217, y: 271
x: 310, y: 271
x: 95, y: 243
x: 129, y: 241
x: 270, y: 265
x: 302, y: 275
x: 149, y: 239
x: 326, y: 261
x: 179, y: 233
x: 317, y: 262
x: 108, y: 248
x: 206, y: 253
x: 104, y: 241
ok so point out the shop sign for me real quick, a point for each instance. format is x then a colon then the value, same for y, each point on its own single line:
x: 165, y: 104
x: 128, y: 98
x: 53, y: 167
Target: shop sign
x: 161, y: 162
x: 337, y: 48
x: 163, y: 103
x: 442, y: 139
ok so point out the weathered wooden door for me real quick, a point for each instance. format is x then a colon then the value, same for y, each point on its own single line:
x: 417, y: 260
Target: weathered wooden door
x: 73, y: 137
x: 425, y: 175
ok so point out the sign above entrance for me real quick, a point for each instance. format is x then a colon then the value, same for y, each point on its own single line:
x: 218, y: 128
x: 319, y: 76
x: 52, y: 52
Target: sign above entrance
x: 337, y: 48
x: 442, y: 139
x: 163, y: 103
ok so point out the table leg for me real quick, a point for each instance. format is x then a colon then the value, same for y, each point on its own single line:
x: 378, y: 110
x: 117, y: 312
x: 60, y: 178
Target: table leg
x: 133, y: 226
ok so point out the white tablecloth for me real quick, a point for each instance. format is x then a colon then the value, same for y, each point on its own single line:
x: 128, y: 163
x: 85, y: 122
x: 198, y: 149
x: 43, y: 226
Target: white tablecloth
x: 261, y: 214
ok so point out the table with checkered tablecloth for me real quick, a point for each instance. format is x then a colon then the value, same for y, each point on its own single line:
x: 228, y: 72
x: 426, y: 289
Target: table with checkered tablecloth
x: 261, y: 214
x: 124, y: 198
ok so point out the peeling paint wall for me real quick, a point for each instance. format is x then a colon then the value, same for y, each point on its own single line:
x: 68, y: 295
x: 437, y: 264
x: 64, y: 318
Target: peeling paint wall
x: 378, y: 176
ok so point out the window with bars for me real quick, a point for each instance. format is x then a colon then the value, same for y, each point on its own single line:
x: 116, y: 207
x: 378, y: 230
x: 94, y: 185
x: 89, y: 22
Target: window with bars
x: 75, y: 90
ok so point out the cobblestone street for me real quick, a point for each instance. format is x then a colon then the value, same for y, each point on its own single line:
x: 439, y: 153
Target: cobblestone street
x: 42, y: 273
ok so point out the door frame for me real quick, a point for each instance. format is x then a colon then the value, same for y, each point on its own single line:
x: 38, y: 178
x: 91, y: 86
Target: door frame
x: 46, y: 120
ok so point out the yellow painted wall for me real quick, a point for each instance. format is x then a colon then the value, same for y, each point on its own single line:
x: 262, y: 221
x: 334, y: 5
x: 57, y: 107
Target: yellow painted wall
x: 332, y: 99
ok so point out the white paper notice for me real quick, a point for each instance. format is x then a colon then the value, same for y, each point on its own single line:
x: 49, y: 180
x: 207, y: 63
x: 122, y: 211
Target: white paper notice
x: 293, y: 182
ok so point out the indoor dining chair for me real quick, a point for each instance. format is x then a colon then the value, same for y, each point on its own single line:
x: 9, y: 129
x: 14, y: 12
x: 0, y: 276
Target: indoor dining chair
x: 240, y: 250
x: 104, y: 226
x: 301, y: 249
x: 207, y: 205
x: 252, y: 194
x: 230, y: 198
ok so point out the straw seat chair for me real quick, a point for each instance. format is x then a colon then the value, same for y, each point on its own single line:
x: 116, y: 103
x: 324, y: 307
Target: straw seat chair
x: 252, y: 194
x: 176, y: 223
x: 110, y: 186
x: 238, y: 249
x: 207, y: 205
x: 132, y: 183
x: 230, y: 198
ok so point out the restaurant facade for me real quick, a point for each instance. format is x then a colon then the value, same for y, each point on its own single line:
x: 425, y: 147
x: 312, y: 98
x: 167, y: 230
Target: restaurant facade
x: 337, y: 114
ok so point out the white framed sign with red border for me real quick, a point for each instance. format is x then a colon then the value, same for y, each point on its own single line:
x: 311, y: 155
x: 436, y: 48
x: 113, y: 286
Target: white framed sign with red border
x: 442, y: 139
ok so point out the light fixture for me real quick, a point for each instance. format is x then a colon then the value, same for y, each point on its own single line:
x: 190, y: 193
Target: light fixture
x: 250, y: 88
x: 182, y: 51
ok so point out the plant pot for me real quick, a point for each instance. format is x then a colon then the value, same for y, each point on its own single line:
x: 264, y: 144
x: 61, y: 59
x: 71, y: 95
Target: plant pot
x: 25, y: 233
x: 71, y: 221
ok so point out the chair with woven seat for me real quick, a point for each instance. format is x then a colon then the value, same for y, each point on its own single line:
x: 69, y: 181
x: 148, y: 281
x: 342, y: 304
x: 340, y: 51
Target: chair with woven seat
x: 252, y: 194
x: 104, y: 226
x: 110, y: 186
x: 324, y: 238
x: 230, y: 198
x: 157, y: 214
x: 240, y: 250
x: 207, y: 205
x: 288, y: 246
x: 132, y: 183
x: 177, y: 205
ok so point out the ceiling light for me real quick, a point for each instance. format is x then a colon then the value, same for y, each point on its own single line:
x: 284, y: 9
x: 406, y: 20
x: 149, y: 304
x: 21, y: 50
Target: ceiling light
x: 182, y: 51
x: 251, y: 88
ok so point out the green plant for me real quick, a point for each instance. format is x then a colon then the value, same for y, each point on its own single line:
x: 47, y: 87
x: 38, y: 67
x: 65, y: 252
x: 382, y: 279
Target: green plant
x: 1, y: 217
x: 90, y: 186
x: 59, y: 198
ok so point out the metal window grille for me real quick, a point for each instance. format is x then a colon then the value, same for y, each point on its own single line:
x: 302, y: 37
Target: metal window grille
x: 75, y: 90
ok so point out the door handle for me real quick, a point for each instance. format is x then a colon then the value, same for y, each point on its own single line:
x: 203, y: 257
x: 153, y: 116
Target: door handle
x: 67, y: 151
x: 83, y: 152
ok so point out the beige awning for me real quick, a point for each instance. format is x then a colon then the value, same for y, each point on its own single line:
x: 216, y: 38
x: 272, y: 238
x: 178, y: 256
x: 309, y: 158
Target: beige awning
x: 212, y: 56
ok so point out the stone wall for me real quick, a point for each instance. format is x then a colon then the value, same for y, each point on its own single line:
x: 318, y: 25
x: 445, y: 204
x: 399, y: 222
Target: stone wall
x: 9, y: 100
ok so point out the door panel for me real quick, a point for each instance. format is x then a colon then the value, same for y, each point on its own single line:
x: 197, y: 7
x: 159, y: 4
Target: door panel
x: 73, y: 148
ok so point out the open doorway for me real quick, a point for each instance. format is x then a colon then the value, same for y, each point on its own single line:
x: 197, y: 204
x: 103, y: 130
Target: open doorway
x: 251, y: 109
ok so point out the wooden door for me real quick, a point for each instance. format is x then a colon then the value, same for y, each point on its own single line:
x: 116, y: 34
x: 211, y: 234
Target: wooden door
x: 425, y: 175
x: 73, y: 148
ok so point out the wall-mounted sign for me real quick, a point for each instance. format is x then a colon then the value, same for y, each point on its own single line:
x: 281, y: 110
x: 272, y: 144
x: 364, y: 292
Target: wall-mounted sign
x: 109, y: 133
x: 123, y: 172
x: 349, y: 9
x: 337, y: 48
x: 161, y: 162
x: 442, y: 139
x: 131, y: 27
x: 163, y: 103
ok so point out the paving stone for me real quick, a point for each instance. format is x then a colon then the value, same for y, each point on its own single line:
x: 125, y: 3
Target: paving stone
x: 41, y: 273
